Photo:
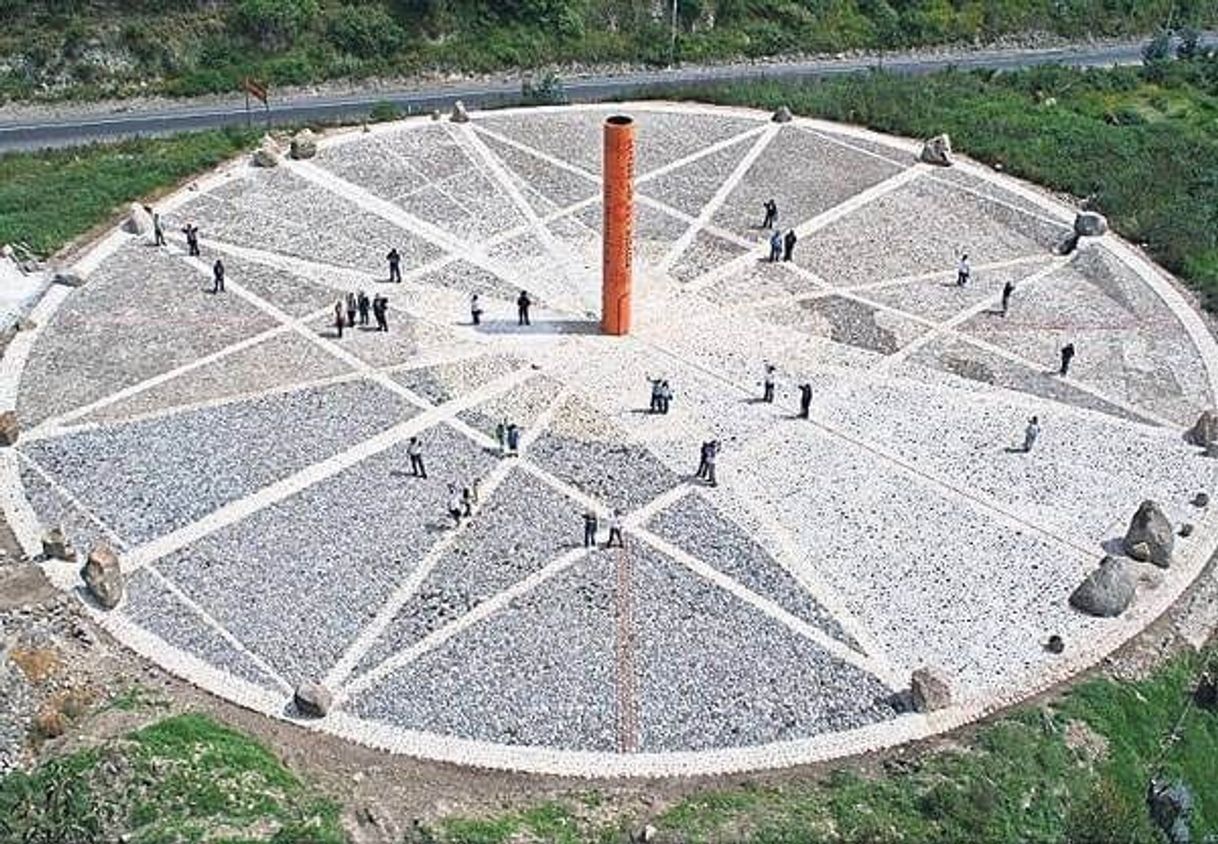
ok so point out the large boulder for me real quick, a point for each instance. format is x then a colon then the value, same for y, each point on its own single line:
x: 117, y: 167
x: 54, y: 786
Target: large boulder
x: 1107, y: 592
x: 9, y: 428
x: 268, y: 154
x: 1090, y: 224
x: 313, y: 700
x: 459, y: 115
x: 1150, y: 536
x: 103, y: 576
x: 929, y: 690
x: 304, y: 144
x: 783, y: 115
x: 1205, y: 432
x: 938, y: 151
x: 139, y: 220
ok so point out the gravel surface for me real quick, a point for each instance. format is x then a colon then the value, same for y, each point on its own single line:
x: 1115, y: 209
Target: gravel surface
x: 151, y: 300
x: 540, y: 672
x: 522, y: 527
x: 940, y: 298
x: 54, y: 510
x: 697, y: 528
x: 690, y: 187
x: 847, y: 321
x: 704, y: 254
x: 551, y: 187
x: 290, y: 292
x: 16, y: 709
x: 468, y: 278
x: 760, y: 280
x: 714, y: 672
x: 148, y: 478
x: 406, y: 339
x: 277, y: 363
x: 585, y: 450
x: 522, y: 405
x: 447, y: 381
x: 298, y: 582
x: 156, y: 609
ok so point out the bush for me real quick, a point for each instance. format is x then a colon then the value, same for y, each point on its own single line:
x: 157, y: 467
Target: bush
x: 275, y: 24
x: 1189, y: 47
x: 384, y: 112
x: 364, y: 31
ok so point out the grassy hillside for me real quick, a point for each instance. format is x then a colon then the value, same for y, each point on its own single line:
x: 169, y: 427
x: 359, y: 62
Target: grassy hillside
x: 56, y: 48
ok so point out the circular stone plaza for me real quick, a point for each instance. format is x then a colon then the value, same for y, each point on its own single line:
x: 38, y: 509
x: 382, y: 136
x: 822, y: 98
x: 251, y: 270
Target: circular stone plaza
x: 250, y: 468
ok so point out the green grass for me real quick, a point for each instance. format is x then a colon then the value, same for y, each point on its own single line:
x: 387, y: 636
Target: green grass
x: 1142, y: 143
x: 49, y: 198
x: 1016, y: 780
x: 92, y: 48
x: 185, y: 778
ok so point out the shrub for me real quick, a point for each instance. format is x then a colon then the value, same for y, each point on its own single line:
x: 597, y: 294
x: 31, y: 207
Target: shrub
x: 384, y: 112
x: 364, y: 31
x: 274, y: 24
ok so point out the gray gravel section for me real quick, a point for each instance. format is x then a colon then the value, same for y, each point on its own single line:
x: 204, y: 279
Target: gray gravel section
x: 714, y: 672
x: 697, y: 528
x: 621, y: 475
x: 524, y: 526
x: 691, y: 187
x: 290, y: 292
x: 142, y: 313
x: 704, y: 254
x: 153, y: 607
x: 299, y: 581
x: 540, y: 672
x: 522, y: 405
x: 447, y: 381
x: 847, y: 321
x: 556, y: 187
x: 469, y: 278
x: 54, y: 510
x: 148, y: 478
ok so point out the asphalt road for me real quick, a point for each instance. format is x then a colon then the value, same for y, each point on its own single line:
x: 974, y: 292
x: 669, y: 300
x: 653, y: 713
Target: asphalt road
x: 69, y: 130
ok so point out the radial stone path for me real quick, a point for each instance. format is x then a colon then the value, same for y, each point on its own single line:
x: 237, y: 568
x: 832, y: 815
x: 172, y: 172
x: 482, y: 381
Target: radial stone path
x: 251, y: 466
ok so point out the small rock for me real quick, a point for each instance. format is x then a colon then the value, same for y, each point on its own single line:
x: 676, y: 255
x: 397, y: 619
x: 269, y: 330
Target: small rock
x: 1171, y: 807
x: 1055, y: 645
x: 1106, y: 592
x: 103, y: 576
x: 437, y: 115
x: 1150, y: 536
x: 783, y: 115
x: 56, y: 546
x: 644, y: 834
x: 268, y: 153
x: 313, y: 700
x: 459, y: 115
x: 304, y: 144
x: 1206, y: 693
x: 1205, y: 431
x: 9, y: 428
x: 930, y: 690
x: 1090, y: 224
x: 139, y: 221
x: 1186, y: 530
x: 68, y: 278
x: 1201, y: 499
x: 938, y: 151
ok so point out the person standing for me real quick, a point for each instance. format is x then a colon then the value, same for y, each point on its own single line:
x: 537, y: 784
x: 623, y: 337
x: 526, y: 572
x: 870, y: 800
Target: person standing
x: 665, y: 397
x: 712, y: 454
x: 1031, y: 433
x: 523, y: 303
x: 339, y: 320
x: 455, y: 505
x: 192, y: 239
x: 217, y: 272
x: 157, y: 231
x: 657, y: 393
x: 805, y: 400
x: 468, y: 499
x: 776, y: 247
x: 701, y: 473
x: 589, y: 529
x: 475, y: 309
x: 380, y: 312
x: 963, y: 271
x: 501, y: 436
x: 415, y: 450
x: 1008, y: 290
x: 767, y: 384
x: 615, y: 529
x: 513, y: 440
x: 395, y: 266
x: 364, y: 304
x: 1067, y: 357
x: 771, y: 214
x: 788, y: 245
x: 352, y: 307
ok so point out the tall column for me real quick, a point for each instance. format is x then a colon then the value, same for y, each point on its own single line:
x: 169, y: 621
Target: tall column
x: 618, y: 244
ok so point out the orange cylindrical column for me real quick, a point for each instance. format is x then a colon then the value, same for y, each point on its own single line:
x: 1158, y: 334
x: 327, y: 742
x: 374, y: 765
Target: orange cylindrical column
x: 618, y: 245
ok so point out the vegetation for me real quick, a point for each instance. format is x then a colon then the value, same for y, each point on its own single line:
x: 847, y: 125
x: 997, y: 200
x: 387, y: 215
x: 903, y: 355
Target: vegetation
x: 49, y: 198
x: 185, y: 778
x: 1140, y: 143
x: 90, y: 48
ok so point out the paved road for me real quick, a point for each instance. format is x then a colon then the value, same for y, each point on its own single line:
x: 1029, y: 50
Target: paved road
x: 73, y: 130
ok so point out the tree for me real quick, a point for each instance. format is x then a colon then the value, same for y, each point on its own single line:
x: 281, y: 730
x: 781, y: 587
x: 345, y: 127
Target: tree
x: 275, y: 24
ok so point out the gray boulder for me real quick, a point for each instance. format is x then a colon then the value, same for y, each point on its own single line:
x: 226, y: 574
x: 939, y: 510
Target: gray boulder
x: 459, y: 115
x: 1171, y: 807
x: 55, y: 545
x: 10, y: 429
x: 103, y: 576
x: 1090, y: 224
x: 783, y: 115
x: 313, y: 700
x: 1205, y: 432
x: 304, y: 145
x: 68, y: 278
x: 929, y: 690
x: 938, y: 151
x: 268, y: 153
x: 139, y: 221
x: 1150, y: 536
x: 1107, y: 592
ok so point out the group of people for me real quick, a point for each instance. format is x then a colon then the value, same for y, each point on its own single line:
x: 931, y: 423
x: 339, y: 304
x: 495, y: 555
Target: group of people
x: 782, y: 246
x: 661, y: 395
x: 507, y: 435
x: 347, y: 309
x: 592, y: 525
